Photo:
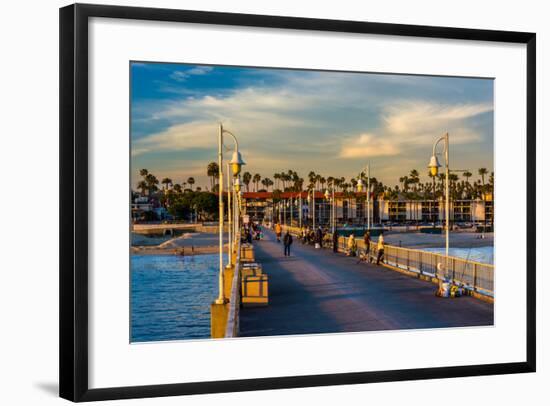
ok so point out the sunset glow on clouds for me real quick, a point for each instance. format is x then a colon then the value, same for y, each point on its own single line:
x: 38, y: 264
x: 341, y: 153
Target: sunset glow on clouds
x: 328, y: 122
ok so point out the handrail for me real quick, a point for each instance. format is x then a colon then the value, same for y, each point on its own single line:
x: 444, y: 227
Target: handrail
x: 475, y: 275
x: 232, y: 326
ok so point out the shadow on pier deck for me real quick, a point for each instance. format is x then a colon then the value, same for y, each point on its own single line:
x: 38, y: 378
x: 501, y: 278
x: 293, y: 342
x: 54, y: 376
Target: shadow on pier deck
x: 317, y: 291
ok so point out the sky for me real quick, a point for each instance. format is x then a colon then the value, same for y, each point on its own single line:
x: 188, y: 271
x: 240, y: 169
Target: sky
x: 332, y: 123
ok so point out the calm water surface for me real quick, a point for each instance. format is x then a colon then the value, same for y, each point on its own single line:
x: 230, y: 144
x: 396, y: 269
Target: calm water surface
x: 171, y: 296
x: 478, y: 254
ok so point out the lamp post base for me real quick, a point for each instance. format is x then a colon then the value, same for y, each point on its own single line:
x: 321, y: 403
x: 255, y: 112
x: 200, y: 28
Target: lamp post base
x: 218, y: 319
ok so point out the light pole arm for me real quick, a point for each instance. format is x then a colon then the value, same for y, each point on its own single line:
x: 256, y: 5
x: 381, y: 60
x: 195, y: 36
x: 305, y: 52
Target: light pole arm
x: 443, y: 138
x: 224, y: 131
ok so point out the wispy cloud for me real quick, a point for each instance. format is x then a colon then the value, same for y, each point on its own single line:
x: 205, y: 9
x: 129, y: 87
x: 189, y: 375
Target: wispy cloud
x: 178, y: 137
x: 368, y: 145
x: 315, y: 120
x: 183, y: 75
x: 415, y: 123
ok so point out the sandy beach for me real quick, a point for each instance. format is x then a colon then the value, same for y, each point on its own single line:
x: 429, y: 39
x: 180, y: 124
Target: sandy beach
x: 421, y: 240
x: 185, y: 244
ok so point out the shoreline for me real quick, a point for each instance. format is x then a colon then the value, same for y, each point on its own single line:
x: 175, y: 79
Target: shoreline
x: 181, y: 251
x: 188, y: 244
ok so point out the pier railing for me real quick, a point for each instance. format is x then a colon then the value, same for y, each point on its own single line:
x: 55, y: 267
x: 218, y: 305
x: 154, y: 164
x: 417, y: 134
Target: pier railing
x: 232, y: 327
x: 476, y: 276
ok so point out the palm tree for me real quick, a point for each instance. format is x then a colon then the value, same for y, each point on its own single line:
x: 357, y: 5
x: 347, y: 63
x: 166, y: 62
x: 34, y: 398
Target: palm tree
x: 330, y: 181
x: 467, y: 175
x: 285, y: 177
x: 295, y: 181
x: 482, y: 172
x: 311, y: 177
x: 441, y: 177
x: 256, y: 179
x: 406, y: 182
x: 414, y: 179
x: 166, y: 182
x: 152, y: 183
x: 277, y: 177
x: 212, y: 171
x: 269, y: 183
x: 143, y: 172
x: 265, y: 183
x: 353, y: 182
x: 453, y: 178
x: 177, y: 188
x: 142, y: 185
x: 402, y: 180
x: 191, y: 182
x: 247, y: 177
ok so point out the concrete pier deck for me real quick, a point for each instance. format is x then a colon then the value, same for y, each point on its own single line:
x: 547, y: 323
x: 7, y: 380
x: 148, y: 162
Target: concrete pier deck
x: 317, y: 291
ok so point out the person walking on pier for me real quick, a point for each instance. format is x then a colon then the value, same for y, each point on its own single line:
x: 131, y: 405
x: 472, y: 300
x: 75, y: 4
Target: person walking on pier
x: 319, y: 238
x: 366, y: 240
x: 335, y: 241
x: 287, y: 241
x: 380, y: 248
x: 278, y: 231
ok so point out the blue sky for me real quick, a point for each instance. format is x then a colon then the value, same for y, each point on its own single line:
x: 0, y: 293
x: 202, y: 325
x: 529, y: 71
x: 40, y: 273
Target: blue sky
x: 330, y: 122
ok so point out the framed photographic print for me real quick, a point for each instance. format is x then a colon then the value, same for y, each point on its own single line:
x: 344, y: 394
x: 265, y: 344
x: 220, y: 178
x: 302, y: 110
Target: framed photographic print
x: 256, y: 202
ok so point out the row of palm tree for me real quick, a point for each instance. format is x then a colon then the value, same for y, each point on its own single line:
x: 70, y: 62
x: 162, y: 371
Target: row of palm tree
x: 148, y: 185
x: 410, y: 186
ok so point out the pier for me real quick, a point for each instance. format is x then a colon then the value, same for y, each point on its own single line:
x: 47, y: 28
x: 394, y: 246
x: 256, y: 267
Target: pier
x: 318, y: 291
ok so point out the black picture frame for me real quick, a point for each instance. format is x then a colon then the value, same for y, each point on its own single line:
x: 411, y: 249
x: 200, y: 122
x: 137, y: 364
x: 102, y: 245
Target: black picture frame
x: 73, y: 281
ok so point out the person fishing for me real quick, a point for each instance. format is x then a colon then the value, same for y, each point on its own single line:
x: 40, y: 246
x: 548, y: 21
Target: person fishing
x: 335, y: 241
x: 287, y: 242
x: 352, y: 246
x: 380, y: 248
x: 366, y: 240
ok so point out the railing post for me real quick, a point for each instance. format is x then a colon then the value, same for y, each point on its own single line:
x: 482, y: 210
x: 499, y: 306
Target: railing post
x: 453, y: 262
x: 408, y: 260
x: 475, y: 277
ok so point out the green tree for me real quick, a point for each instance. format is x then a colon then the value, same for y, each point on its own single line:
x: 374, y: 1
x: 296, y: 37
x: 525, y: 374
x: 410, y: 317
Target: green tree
x: 212, y: 171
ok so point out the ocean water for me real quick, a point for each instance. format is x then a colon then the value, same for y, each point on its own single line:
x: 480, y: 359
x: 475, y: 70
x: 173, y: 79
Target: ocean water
x: 478, y: 254
x: 171, y: 296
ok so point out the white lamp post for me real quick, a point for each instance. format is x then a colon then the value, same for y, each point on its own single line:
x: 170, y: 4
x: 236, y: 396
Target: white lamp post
x: 236, y: 164
x: 301, y: 208
x: 434, y: 168
x: 313, y: 194
x: 360, y: 188
x: 237, y: 202
x: 330, y: 199
x: 291, y: 205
